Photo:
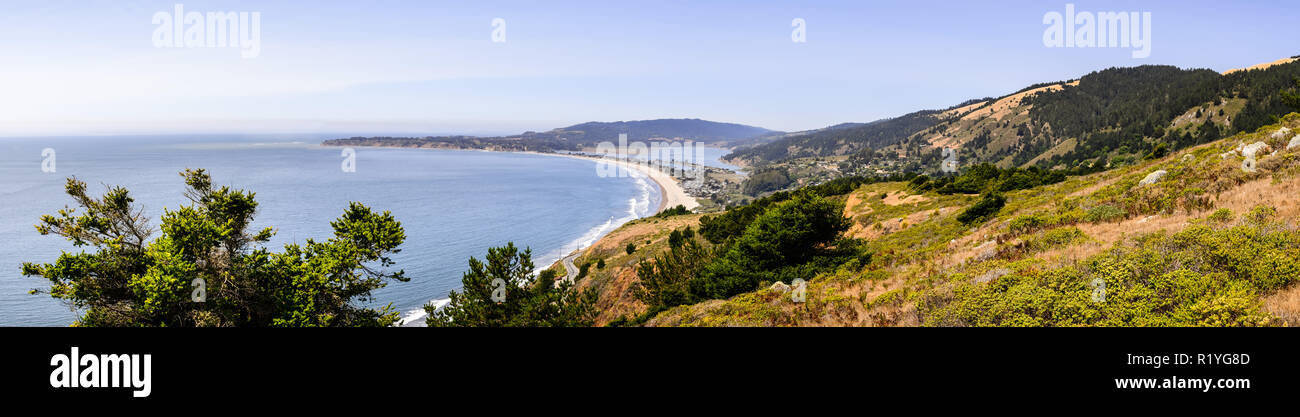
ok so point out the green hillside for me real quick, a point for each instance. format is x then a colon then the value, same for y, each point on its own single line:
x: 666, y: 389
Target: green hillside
x: 1203, y: 236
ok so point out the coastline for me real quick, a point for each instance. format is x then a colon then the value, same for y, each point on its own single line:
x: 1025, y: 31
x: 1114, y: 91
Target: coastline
x: 671, y: 193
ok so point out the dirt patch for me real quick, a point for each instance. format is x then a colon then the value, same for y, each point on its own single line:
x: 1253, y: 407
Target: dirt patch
x: 902, y: 197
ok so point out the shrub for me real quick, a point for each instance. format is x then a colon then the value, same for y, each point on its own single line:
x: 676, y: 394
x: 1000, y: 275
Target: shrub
x: 631, y: 247
x: 1060, y: 237
x: 988, y: 206
x: 1104, y: 213
x: 1222, y: 215
x: 795, y: 239
x: 673, y: 211
x: 1200, y: 276
x: 1026, y: 223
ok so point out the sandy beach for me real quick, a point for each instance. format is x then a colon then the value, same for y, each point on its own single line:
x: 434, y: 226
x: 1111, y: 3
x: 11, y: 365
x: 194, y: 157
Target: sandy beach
x: 670, y: 191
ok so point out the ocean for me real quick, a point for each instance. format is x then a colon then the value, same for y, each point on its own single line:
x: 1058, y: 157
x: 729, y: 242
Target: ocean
x: 452, y: 204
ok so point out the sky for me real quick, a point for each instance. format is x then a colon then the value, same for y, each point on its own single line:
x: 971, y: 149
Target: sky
x: 432, y: 67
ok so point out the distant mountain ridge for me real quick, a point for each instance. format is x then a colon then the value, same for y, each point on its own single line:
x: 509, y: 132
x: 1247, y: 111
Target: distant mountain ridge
x: 583, y: 135
x: 693, y: 129
x: 1110, y: 116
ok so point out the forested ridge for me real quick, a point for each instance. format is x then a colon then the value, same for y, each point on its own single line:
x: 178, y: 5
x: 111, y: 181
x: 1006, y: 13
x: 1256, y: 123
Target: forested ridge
x: 1112, y: 115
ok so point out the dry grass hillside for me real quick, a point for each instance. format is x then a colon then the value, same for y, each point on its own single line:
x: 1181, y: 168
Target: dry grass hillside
x: 1215, y: 241
x: 614, y: 282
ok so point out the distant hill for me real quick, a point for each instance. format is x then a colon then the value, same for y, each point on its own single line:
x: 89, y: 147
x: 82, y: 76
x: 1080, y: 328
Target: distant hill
x: 583, y: 135
x: 691, y: 129
x: 1117, y: 115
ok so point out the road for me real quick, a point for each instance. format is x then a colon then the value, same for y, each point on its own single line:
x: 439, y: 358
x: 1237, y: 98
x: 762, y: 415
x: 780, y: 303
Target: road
x: 570, y: 271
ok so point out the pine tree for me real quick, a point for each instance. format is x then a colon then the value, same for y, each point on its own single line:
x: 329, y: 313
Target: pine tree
x: 502, y: 292
x: 207, y: 269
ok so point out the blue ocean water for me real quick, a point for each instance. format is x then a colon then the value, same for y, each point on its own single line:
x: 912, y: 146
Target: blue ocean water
x: 452, y: 204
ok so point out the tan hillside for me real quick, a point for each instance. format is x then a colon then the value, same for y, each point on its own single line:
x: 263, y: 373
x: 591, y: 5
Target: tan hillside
x: 614, y: 282
x: 927, y: 265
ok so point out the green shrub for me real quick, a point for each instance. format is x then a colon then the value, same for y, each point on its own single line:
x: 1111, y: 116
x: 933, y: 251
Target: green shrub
x: 1104, y: 213
x: 987, y: 207
x: 673, y: 211
x: 1222, y: 215
x: 1026, y: 223
x: 1059, y: 237
x: 631, y: 247
x: 1200, y: 276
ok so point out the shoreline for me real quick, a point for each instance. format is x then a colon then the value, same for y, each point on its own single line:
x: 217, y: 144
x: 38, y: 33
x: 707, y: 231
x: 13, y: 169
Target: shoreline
x: 671, y: 193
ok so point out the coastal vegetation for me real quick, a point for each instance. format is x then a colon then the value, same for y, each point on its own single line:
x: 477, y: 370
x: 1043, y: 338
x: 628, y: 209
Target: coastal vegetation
x: 984, y: 178
x: 1206, y: 244
x: 791, y: 239
x: 1166, y: 202
x: 207, y: 268
x: 502, y: 291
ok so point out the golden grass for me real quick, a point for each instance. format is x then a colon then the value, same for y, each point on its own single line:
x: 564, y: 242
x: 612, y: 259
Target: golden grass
x: 1285, y: 304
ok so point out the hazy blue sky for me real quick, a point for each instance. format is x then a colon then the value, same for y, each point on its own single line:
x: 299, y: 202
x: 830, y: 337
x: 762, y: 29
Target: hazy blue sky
x: 91, y: 67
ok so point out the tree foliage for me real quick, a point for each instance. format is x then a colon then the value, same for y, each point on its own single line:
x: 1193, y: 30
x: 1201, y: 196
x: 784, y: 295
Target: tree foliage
x: 798, y: 237
x: 719, y: 228
x: 987, y: 207
x: 501, y: 291
x: 983, y: 178
x: 206, y: 252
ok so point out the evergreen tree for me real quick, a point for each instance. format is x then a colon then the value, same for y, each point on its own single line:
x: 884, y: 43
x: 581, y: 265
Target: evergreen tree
x: 502, y: 292
x: 208, y: 269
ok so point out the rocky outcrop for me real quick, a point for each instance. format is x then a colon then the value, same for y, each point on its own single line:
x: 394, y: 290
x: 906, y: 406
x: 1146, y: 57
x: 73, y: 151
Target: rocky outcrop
x: 1154, y: 177
x: 1255, y: 149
